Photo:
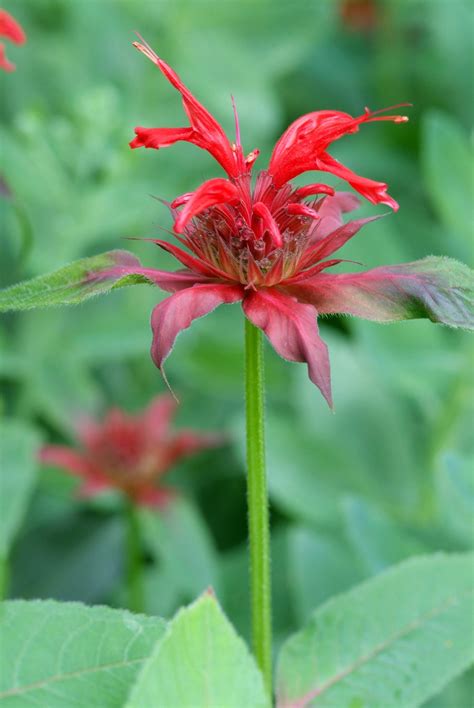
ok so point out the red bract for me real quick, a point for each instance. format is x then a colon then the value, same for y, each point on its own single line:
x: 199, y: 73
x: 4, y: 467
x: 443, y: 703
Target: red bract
x: 13, y: 31
x: 129, y: 453
x: 269, y: 244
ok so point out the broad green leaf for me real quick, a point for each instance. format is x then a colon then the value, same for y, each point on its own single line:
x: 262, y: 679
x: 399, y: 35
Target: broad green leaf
x: 377, y: 540
x: 447, y: 158
x: 200, y: 663
x: 18, y: 446
x: 73, y: 283
x: 393, y: 641
x: 177, y: 536
x: 63, y: 654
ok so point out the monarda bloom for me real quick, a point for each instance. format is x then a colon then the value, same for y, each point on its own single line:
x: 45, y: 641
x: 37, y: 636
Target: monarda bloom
x: 271, y: 245
x: 13, y: 31
x: 130, y: 453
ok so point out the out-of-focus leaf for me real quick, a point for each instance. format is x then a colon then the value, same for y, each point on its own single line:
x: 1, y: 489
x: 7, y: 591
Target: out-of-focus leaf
x: 455, y: 496
x: 395, y: 640
x: 200, y: 662
x: 320, y: 566
x: 73, y: 283
x: 64, y: 654
x: 447, y: 159
x: 18, y: 447
x: 378, y: 541
x: 177, y: 536
x: 83, y: 557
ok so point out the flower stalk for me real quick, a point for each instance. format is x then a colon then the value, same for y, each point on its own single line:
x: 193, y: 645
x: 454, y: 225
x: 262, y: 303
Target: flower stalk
x: 257, y: 500
x: 134, y: 560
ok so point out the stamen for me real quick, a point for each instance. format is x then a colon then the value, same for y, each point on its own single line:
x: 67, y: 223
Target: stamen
x: 237, y: 126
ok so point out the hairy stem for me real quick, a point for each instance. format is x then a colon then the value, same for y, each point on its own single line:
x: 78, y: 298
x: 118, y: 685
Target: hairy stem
x: 134, y: 561
x: 257, y: 500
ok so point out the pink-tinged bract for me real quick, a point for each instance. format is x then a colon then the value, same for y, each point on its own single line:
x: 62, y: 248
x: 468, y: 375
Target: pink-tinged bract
x: 130, y: 453
x: 271, y: 245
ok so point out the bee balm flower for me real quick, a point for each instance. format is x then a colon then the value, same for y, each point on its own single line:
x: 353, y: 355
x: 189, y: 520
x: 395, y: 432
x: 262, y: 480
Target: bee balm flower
x: 270, y: 244
x: 129, y: 453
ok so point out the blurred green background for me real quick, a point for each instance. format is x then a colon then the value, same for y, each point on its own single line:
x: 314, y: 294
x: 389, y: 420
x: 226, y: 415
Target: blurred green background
x: 387, y: 476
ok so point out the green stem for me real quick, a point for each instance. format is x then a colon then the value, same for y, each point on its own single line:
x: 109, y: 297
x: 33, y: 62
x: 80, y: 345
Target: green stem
x: 134, y: 565
x: 257, y: 499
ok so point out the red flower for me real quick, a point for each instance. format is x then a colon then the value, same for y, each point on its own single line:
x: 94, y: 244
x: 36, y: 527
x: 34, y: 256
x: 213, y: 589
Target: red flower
x: 13, y: 31
x: 129, y: 453
x: 269, y: 245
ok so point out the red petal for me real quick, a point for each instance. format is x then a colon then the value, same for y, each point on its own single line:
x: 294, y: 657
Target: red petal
x: 292, y: 329
x: 177, y: 312
x: 156, y: 420
x: 199, y: 266
x: 68, y: 459
x: 206, y: 131
x: 11, y: 29
x: 153, y: 497
x: 261, y: 210
x: 171, y: 281
x: 375, y: 192
x: 214, y: 191
x: 160, y: 137
x: 5, y: 64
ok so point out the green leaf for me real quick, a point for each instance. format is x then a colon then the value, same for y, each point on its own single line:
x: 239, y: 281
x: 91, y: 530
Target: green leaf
x: 393, y: 641
x: 64, y: 654
x: 73, y: 283
x: 455, y: 493
x: 377, y: 540
x: 18, y: 446
x: 201, y: 662
x: 177, y: 536
x: 447, y: 158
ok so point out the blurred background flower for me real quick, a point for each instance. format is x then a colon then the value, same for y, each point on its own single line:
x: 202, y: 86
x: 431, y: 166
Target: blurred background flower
x: 390, y: 474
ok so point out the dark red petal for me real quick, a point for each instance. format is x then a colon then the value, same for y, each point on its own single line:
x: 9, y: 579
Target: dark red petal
x: 436, y: 288
x: 214, y: 191
x: 292, y: 329
x: 206, y: 133
x: 375, y: 192
x: 11, y: 29
x: 5, y: 64
x: 177, y: 312
x: 323, y: 248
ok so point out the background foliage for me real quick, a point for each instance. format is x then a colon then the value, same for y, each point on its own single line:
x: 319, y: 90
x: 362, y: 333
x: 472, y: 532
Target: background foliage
x: 390, y: 474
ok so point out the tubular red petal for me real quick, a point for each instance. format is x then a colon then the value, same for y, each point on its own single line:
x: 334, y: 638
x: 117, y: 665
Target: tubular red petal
x: 261, y: 210
x: 310, y: 189
x: 178, y: 311
x: 302, y: 210
x: 335, y: 240
x: 171, y: 281
x: 292, y: 329
x: 215, y: 191
x: 11, y: 29
x: 199, y: 266
x: 206, y: 131
x: 375, y: 192
x: 331, y: 211
x: 67, y: 459
x: 156, y: 419
x: 160, y: 137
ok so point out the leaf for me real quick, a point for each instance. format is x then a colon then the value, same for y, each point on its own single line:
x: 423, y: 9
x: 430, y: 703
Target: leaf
x: 64, y: 654
x: 73, y: 283
x: 377, y: 540
x: 178, y: 537
x: 455, y: 493
x: 447, y: 158
x: 393, y: 641
x: 201, y: 662
x: 18, y: 445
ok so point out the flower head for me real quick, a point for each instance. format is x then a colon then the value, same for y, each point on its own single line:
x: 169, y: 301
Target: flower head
x: 270, y: 244
x: 129, y: 453
x: 13, y: 31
